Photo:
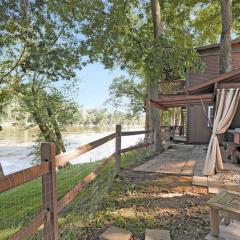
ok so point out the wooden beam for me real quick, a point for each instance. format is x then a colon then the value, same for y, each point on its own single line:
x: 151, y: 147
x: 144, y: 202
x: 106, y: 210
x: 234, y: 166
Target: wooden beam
x: 12, y: 180
x: 216, y: 54
x: 118, y: 147
x: 215, y: 45
x: 49, y: 192
x: 70, y: 196
x: 171, y: 101
x: 130, y: 133
x: 141, y: 145
x: 32, y: 227
x: 174, y: 98
x: 157, y: 105
x: 186, y: 102
x: 183, y: 104
x: 228, y: 85
x: 219, y: 78
x: 63, y: 158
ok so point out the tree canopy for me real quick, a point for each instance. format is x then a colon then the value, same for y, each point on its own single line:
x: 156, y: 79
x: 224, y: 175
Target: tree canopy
x: 42, y: 42
x: 38, y: 48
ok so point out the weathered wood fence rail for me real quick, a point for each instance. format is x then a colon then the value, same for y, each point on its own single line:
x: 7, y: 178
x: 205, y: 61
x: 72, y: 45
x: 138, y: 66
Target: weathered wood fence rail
x: 47, y: 170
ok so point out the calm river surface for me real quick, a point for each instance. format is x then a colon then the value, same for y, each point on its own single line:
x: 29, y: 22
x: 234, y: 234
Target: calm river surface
x: 16, y: 145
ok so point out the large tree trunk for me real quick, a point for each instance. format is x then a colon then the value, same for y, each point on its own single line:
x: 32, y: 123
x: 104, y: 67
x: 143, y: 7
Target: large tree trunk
x: 46, y: 132
x: 154, y: 113
x: 225, y: 45
x: 59, y: 140
x: 49, y: 127
x: 156, y: 17
x: 147, y: 127
x: 49, y: 134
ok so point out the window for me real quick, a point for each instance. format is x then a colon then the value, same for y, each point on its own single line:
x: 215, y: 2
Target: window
x: 210, y: 116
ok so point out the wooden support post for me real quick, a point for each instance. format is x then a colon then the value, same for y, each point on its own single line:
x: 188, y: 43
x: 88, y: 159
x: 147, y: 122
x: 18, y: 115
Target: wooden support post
x: 214, y: 220
x: 182, y: 122
x: 49, y: 192
x: 118, y: 150
x: 226, y: 218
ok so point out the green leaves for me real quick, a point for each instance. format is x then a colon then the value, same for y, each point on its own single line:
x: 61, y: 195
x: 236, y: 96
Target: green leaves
x: 120, y: 32
x: 127, y: 93
x: 51, y: 45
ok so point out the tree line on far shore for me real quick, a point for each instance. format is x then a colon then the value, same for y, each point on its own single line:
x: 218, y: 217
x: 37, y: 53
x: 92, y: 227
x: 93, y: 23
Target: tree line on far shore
x: 14, y: 116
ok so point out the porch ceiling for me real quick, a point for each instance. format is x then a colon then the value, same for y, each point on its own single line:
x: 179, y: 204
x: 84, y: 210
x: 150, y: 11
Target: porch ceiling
x: 170, y: 101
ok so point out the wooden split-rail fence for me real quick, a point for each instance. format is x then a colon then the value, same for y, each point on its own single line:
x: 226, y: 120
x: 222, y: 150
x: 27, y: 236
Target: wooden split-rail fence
x: 47, y: 171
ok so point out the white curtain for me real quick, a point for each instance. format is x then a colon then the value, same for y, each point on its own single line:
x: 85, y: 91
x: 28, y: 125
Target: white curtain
x: 227, y: 102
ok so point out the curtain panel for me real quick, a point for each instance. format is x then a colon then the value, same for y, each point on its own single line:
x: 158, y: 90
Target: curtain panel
x: 227, y: 102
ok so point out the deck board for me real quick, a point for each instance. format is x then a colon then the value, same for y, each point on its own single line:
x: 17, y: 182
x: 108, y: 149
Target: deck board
x: 189, y: 160
x: 176, y: 160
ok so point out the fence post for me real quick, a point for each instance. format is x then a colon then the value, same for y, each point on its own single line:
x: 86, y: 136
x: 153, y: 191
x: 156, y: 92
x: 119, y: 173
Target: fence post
x: 118, y: 150
x: 49, y: 192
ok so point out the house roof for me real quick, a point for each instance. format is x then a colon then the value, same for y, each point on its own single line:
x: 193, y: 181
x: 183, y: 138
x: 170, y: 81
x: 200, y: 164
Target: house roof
x: 233, y: 76
x: 211, y: 46
x: 170, y: 101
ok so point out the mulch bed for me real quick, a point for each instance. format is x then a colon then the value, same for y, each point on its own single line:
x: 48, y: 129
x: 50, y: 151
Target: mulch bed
x: 229, y: 175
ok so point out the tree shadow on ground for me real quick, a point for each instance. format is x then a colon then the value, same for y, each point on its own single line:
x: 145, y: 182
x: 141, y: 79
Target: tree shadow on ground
x: 140, y: 200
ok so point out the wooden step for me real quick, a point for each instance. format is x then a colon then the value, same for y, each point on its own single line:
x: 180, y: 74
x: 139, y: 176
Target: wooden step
x: 154, y: 234
x: 115, y: 233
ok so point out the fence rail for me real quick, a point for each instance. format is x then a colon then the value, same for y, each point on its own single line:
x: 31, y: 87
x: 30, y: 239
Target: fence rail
x: 64, y: 158
x: 130, y: 133
x: 20, y: 177
x: 47, y: 171
x: 141, y: 145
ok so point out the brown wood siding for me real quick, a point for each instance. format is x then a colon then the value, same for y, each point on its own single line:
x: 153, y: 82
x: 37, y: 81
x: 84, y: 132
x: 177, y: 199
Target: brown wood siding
x: 210, y: 58
x: 198, y: 130
x: 236, y: 120
x: 211, y: 70
x: 236, y: 59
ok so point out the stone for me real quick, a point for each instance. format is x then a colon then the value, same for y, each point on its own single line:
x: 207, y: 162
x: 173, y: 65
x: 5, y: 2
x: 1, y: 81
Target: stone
x: 115, y: 233
x: 154, y: 234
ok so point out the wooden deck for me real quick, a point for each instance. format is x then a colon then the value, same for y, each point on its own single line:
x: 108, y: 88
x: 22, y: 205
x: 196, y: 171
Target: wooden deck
x: 179, y: 159
x: 189, y: 160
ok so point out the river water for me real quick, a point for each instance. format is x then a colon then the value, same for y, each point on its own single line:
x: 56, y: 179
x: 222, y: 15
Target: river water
x: 16, y: 145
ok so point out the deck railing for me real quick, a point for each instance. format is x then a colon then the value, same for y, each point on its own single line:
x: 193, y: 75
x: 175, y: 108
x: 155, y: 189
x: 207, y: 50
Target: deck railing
x: 171, y: 87
x: 47, y: 170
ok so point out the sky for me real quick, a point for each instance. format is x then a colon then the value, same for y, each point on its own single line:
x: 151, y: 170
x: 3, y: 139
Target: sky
x: 94, y: 84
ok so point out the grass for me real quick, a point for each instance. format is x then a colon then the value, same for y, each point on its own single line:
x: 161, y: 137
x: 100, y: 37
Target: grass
x: 137, y: 201
x: 141, y: 200
x: 19, y: 205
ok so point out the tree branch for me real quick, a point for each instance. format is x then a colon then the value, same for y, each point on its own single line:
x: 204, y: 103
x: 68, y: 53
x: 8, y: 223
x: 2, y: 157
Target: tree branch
x: 15, y: 65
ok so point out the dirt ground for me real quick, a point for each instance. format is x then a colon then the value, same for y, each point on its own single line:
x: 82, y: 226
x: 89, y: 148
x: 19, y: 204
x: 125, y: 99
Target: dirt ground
x: 145, y: 200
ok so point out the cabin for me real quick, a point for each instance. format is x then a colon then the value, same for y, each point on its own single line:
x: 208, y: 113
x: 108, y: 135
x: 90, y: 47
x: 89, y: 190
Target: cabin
x: 196, y: 95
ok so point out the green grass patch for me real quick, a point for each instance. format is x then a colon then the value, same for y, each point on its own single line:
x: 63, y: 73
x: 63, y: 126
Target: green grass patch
x: 19, y: 205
